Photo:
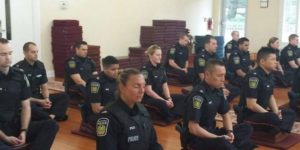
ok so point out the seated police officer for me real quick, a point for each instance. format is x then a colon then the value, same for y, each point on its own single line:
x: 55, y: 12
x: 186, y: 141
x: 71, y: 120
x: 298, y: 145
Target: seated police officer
x: 177, y: 60
x: 126, y: 124
x: 101, y: 90
x: 79, y: 69
x: 208, y: 53
x: 157, y: 90
x: 15, y: 126
x: 239, y: 62
x: 289, y: 58
x: 257, y: 100
x: 294, y: 94
x: 44, y: 105
x: 205, y: 101
x: 231, y: 45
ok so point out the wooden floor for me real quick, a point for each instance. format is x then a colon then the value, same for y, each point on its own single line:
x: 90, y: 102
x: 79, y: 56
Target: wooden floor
x: 168, y: 137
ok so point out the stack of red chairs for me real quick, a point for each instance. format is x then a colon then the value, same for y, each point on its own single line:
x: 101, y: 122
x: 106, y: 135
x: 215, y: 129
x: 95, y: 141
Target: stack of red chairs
x: 94, y: 54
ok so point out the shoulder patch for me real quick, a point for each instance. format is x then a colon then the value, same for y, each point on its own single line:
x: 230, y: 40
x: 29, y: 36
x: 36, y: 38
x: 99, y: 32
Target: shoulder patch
x: 197, y: 102
x: 290, y: 53
x: 236, y: 60
x: 101, y: 126
x: 145, y: 74
x: 253, y: 82
x: 95, y: 86
x: 72, y: 64
x: 201, y: 62
x: 172, y: 50
x: 229, y: 45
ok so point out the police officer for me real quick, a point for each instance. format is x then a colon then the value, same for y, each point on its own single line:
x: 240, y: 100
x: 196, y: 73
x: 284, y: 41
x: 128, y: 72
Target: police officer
x: 239, y: 62
x: 289, y: 59
x: 101, y: 90
x: 294, y: 93
x: 15, y: 126
x: 257, y: 100
x: 44, y: 105
x: 205, y: 101
x: 125, y: 124
x: 231, y: 45
x: 208, y: 53
x: 79, y: 69
x: 177, y: 60
x: 157, y: 90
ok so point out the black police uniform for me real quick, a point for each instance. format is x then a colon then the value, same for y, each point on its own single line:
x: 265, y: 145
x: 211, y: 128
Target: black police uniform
x: 229, y: 48
x: 259, y: 85
x: 156, y: 77
x: 99, y: 90
x: 37, y: 76
x: 279, y: 79
x: 288, y: 53
x: 83, y: 66
x: 121, y: 127
x: 180, y: 54
x: 202, y: 106
x: 14, y: 88
x: 238, y: 60
x: 294, y: 94
x: 199, y: 64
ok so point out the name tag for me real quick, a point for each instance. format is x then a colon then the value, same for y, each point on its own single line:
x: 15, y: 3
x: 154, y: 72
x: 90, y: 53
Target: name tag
x: 39, y: 75
x: 133, y: 139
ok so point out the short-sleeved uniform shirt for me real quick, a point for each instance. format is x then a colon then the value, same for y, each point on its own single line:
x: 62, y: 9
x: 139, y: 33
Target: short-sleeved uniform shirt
x: 201, y: 59
x: 179, y: 54
x: 36, y: 74
x: 154, y: 76
x: 288, y: 53
x: 239, y: 60
x: 258, y: 85
x: 83, y: 66
x: 14, y: 88
x: 203, y: 104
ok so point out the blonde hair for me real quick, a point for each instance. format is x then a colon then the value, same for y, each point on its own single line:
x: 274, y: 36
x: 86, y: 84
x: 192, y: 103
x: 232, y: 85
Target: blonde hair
x: 272, y: 40
x: 152, y: 49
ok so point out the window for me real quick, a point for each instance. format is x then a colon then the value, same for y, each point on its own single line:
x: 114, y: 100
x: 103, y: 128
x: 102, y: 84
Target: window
x: 290, y: 21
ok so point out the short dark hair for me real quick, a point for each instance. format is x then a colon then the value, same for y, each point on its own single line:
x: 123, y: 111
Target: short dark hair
x: 79, y: 43
x: 26, y: 46
x: 109, y: 60
x: 4, y: 41
x: 183, y: 34
x: 209, y: 66
x: 242, y: 40
x: 207, y: 38
x: 124, y: 75
x: 292, y: 36
x: 263, y: 53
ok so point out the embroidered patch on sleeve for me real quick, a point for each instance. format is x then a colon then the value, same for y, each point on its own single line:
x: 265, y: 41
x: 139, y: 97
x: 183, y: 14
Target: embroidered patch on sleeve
x: 72, y: 64
x: 101, y: 126
x: 201, y: 62
x: 197, y: 102
x: 236, y: 60
x: 253, y: 82
x: 229, y: 46
x: 290, y: 53
x: 95, y: 86
x: 172, y: 51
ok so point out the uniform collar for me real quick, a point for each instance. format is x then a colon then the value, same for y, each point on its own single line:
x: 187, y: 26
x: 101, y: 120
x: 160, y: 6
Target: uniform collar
x: 131, y: 111
x: 151, y: 65
x: 262, y: 71
x: 208, y: 89
x: 180, y: 46
x: 103, y: 75
x: 9, y: 74
x: 27, y: 64
x: 290, y: 45
x: 208, y: 53
x: 82, y: 59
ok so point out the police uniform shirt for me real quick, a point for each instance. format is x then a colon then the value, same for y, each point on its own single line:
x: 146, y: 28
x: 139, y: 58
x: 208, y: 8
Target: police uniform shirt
x: 121, y: 127
x: 101, y: 89
x: 35, y: 73
x: 203, y: 105
x: 239, y: 60
x: 154, y: 76
x: 258, y: 85
x: 14, y: 87
x: 230, y: 47
x: 288, y: 54
x: 179, y: 54
x: 201, y: 59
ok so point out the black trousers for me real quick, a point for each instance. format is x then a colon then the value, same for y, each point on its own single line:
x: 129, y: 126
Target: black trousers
x: 285, y: 124
x: 242, y: 133
x: 40, y: 134
x: 176, y: 111
x: 59, y: 107
x: 80, y: 89
x: 183, y: 77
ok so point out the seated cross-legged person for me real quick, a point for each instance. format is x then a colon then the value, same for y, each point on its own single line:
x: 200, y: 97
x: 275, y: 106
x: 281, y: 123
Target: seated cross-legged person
x: 157, y: 90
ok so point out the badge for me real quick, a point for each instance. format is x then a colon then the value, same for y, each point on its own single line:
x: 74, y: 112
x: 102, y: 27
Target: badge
x: 253, y: 82
x: 229, y: 46
x: 72, y: 64
x: 95, y: 86
x: 101, y: 126
x: 197, y: 102
x: 201, y: 62
x: 236, y: 60
x: 145, y: 74
x: 172, y: 51
x: 290, y: 53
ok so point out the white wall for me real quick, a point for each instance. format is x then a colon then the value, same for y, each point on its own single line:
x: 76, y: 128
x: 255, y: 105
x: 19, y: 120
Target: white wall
x: 115, y: 24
